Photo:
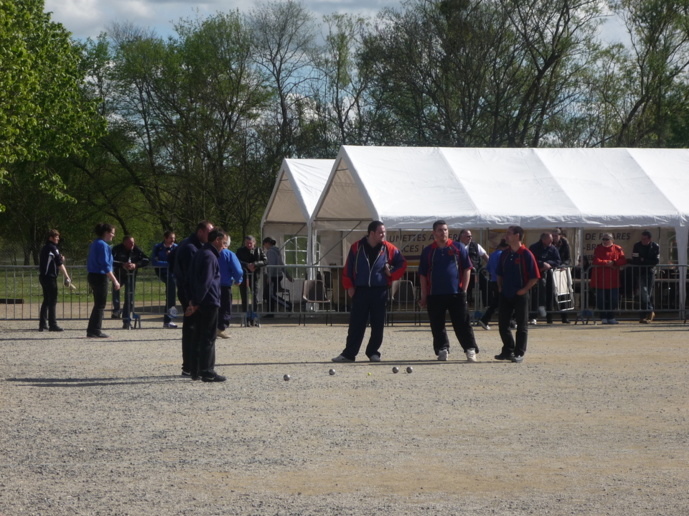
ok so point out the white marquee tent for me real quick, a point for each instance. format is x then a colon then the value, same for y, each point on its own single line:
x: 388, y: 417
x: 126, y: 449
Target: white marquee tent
x: 410, y: 187
x: 298, y: 187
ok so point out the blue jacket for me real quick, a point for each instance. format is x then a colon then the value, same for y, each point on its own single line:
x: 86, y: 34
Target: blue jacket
x: 493, y: 261
x: 159, y: 255
x: 230, y: 268
x: 100, y: 257
x: 358, y: 272
x: 183, y: 255
x: 204, y: 277
x: 444, y: 267
x: 544, y: 254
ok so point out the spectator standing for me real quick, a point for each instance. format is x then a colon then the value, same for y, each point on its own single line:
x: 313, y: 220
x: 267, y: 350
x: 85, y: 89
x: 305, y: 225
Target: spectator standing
x: 372, y: 265
x: 230, y: 274
x: 548, y: 259
x: 493, y: 292
x: 563, y: 247
x: 252, y: 259
x: 478, y: 257
x: 444, y: 273
x: 645, y: 256
x: 276, y: 271
x: 128, y: 258
x: 204, y: 303
x: 608, y: 258
x: 181, y: 262
x: 517, y: 273
x: 99, y: 266
x: 50, y: 262
x: 159, y: 258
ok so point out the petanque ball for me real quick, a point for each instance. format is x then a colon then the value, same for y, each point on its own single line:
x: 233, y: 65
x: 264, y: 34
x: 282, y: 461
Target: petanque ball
x: 395, y: 369
x: 332, y: 372
x: 410, y: 369
x: 287, y: 377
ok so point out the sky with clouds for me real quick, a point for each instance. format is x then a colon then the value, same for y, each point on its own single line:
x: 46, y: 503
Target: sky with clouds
x: 88, y: 18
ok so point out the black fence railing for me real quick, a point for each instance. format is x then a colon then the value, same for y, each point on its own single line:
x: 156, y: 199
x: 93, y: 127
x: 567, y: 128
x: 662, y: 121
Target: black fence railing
x: 564, y: 294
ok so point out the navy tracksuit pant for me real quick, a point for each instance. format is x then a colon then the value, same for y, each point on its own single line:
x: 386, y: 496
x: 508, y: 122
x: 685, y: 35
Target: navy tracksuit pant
x: 368, y: 306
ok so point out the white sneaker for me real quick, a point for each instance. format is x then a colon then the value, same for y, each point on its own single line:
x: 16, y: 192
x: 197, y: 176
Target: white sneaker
x: 169, y: 325
x: 542, y: 312
x: 222, y: 334
x: 533, y: 322
x: 471, y: 355
x: 483, y: 325
x: 443, y: 354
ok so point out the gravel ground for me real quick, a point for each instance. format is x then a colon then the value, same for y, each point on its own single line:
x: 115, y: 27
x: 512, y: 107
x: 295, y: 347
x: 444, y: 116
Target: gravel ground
x: 595, y: 421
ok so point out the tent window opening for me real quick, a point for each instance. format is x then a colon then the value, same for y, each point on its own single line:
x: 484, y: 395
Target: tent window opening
x: 296, y: 250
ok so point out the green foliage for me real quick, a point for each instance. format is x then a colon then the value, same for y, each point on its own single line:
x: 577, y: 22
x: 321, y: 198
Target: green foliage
x: 43, y: 113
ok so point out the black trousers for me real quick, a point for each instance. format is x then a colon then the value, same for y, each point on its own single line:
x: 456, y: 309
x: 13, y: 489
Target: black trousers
x: 493, y: 301
x: 250, y: 282
x: 48, y: 307
x: 187, y: 333
x: 517, y: 306
x: 368, y: 306
x: 456, y: 305
x: 99, y: 286
x: 225, y: 313
x: 205, y: 328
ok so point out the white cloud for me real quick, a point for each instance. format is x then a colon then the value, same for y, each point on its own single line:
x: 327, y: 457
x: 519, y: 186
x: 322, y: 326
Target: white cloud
x: 88, y: 18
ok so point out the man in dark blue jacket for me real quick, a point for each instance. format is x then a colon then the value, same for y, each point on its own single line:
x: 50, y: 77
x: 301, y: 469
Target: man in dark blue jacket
x: 204, y: 303
x: 372, y: 265
x: 181, y: 259
x: 444, y: 273
x: 548, y: 258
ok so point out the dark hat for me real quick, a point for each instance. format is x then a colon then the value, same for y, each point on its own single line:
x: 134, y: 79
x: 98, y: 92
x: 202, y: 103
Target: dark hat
x: 268, y: 240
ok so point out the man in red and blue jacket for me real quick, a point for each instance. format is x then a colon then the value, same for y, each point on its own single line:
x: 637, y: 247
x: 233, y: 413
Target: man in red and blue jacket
x: 445, y: 272
x: 371, y: 267
x: 517, y: 273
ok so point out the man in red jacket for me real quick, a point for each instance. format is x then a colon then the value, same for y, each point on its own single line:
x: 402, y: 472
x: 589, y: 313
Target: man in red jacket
x: 605, y: 277
x: 372, y: 265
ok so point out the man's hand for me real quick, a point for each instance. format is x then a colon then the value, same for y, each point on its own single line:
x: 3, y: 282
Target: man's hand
x: 351, y: 291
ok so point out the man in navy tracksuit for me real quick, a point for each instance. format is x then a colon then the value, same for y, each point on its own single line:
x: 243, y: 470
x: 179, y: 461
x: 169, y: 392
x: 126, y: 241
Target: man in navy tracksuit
x: 444, y: 273
x: 181, y: 260
x: 517, y: 273
x: 204, y: 301
x: 372, y: 264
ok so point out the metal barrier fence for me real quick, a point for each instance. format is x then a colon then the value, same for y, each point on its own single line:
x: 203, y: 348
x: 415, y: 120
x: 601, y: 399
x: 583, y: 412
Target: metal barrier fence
x: 318, y: 291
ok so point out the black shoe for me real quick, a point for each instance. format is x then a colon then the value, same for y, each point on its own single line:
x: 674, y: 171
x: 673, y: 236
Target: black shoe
x: 126, y: 325
x: 186, y: 373
x: 213, y: 377
x: 99, y: 335
x: 505, y: 356
x: 42, y: 328
x: 116, y: 314
x: 55, y: 328
x: 517, y: 359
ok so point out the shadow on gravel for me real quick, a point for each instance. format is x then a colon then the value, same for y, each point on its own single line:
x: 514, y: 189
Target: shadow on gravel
x: 91, y: 382
x: 390, y: 363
